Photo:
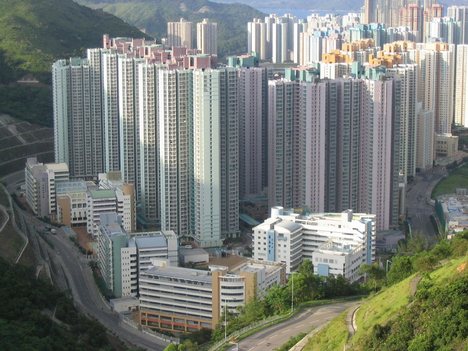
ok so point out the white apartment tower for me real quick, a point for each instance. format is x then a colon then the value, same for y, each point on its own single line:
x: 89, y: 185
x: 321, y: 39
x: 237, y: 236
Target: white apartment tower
x: 207, y: 157
x: 148, y: 142
x: 425, y: 140
x: 380, y: 158
x: 207, y: 37
x: 280, y: 142
x: 460, y: 15
x: 128, y: 123
x: 251, y: 124
x: 175, y: 134
x: 110, y: 100
x: 334, y: 144
x: 408, y: 76
x: 257, y: 42
x: 437, y: 81
x: 461, y: 86
x: 77, y: 117
x: 229, y: 151
x: 180, y: 34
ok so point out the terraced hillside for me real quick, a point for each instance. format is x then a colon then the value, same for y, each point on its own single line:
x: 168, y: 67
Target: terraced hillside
x: 20, y: 140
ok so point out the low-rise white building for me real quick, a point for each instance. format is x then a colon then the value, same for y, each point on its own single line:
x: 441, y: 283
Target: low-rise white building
x: 111, y: 196
x: 72, y: 202
x: 290, y: 238
x: 40, y: 184
x: 123, y: 256
x: 455, y: 212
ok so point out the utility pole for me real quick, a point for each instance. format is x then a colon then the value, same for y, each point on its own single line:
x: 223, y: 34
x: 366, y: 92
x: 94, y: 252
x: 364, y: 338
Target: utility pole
x: 292, y: 293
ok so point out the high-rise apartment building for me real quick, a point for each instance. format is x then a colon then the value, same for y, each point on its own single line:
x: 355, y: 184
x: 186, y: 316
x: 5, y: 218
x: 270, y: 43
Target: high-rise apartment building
x: 412, y: 16
x: 148, y: 192
x: 408, y: 76
x: 460, y: 15
x: 334, y: 145
x: 229, y: 151
x: 77, y: 117
x: 207, y: 37
x: 461, y: 86
x: 436, y: 62
x: 180, y: 34
x: 257, y: 42
x: 110, y: 102
x: 425, y: 140
x: 207, y: 158
x: 252, y: 114
x: 175, y: 138
x: 280, y: 142
x: 128, y: 123
x: 379, y: 166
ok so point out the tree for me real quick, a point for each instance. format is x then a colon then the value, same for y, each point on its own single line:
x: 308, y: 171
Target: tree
x: 401, y: 268
x: 306, y: 268
x: 277, y: 300
x: 374, y: 275
x: 425, y: 262
x: 297, y: 284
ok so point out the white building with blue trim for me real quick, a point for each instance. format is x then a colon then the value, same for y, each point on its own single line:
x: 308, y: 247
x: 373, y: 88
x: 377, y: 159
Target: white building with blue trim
x: 336, y: 243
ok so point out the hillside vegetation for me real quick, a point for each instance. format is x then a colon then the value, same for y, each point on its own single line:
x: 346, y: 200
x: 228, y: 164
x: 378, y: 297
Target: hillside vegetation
x: 152, y: 16
x: 34, y: 33
x: 35, y: 316
x: 424, y: 307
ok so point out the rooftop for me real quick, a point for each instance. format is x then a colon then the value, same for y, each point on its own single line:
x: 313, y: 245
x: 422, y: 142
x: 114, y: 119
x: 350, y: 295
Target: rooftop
x: 192, y: 252
x: 102, y: 194
x: 70, y: 186
x: 180, y: 273
x: 147, y: 242
x: 291, y: 226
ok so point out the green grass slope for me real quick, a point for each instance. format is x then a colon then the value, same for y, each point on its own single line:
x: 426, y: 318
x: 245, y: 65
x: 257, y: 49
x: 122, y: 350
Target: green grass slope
x: 152, y: 16
x: 458, y: 178
x: 433, y: 316
x: 33, y: 33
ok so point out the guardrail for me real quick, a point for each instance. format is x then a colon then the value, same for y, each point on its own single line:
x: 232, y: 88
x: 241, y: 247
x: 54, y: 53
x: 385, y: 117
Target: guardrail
x: 149, y: 331
x: 265, y: 323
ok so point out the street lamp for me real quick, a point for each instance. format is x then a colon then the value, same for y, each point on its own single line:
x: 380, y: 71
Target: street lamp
x: 386, y: 265
x: 225, y: 319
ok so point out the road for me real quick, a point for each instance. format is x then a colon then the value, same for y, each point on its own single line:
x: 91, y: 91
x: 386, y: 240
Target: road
x: 306, y: 321
x: 418, y: 207
x: 69, y: 270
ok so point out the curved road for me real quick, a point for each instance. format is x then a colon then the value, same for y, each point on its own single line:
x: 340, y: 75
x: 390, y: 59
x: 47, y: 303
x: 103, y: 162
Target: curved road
x: 87, y: 296
x: 71, y: 270
x: 308, y: 320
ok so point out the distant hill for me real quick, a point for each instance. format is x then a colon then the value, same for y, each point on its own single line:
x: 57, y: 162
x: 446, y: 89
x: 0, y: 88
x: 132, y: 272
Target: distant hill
x: 152, y: 16
x: 340, y: 5
x: 33, y: 33
x: 337, y: 5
